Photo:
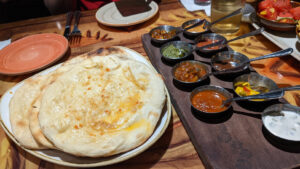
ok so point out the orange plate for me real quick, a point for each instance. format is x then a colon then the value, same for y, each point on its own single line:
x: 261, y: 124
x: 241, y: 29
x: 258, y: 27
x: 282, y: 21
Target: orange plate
x: 32, y: 53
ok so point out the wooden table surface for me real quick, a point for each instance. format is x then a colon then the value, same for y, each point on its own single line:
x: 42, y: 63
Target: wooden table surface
x: 174, y: 149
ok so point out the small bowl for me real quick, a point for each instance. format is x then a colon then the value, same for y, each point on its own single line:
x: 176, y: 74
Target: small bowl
x: 218, y: 89
x: 219, y: 58
x: 255, y: 80
x: 191, y: 33
x: 278, y: 26
x: 213, y: 37
x: 166, y: 28
x: 203, y: 66
x: 180, y: 45
x: 298, y: 32
x: 285, y: 128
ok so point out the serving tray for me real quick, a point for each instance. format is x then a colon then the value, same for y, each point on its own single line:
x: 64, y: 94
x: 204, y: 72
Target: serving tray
x: 236, y: 140
x: 61, y: 158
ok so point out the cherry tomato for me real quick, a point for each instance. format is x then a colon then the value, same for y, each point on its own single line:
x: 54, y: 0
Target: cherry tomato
x: 285, y: 15
x: 296, y: 13
x: 264, y: 5
x: 282, y: 5
x: 269, y: 13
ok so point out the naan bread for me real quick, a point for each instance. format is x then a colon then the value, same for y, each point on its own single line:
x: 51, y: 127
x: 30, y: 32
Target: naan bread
x: 101, y: 107
x: 33, y: 115
x: 34, y: 125
x: 20, y: 108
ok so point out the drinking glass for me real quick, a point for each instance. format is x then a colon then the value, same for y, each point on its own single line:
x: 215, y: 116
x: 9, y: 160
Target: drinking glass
x: 221, y: 8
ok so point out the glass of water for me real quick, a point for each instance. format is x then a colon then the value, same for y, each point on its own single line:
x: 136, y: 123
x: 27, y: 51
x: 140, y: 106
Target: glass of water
x: 221, y: 8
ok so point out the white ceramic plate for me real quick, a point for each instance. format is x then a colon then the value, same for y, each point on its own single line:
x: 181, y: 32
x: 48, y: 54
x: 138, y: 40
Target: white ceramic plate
x: 109, y: 15
x: 62, y: 158
x: 283, y: 39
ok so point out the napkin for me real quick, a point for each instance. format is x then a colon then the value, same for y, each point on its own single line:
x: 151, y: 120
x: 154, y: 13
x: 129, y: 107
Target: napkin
x: 191, y: 6
x: 4, y: 43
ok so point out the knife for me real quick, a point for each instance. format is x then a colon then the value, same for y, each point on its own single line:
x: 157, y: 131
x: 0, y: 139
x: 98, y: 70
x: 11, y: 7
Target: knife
x: 68, y: 23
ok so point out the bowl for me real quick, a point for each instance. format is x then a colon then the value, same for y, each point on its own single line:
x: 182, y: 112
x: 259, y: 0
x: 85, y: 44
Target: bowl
x: 252, y: 84
x: 283, y: 121
x: 210, y: 99
x: 223, y: 61
x: 213, y: 37
x: 278, y: 26
x: 196, y: 70
x: 181, y: 47
x: 173, y: 31
x: 197, y: 30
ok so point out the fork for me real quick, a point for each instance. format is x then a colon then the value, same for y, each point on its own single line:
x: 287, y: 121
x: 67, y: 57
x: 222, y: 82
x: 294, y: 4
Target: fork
x: 75, y: 35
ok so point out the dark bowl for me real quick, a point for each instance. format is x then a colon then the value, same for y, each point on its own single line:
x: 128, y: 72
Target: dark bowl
x: 219, y: 89
x: 255, y: 80
x: 211, y: 36
x: 218, y: 61
x: 166, y: 28
x: 278, y: 26
x: 180, y: 45
x: 192, y: 33
x: 190, y: 83
x: 272, y: 118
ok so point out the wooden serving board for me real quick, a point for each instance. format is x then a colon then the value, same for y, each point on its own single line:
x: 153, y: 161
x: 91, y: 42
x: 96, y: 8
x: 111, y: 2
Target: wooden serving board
x: 235, y: 140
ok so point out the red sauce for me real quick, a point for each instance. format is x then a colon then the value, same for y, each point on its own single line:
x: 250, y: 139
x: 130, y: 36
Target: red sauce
x: 189, y: 72
x: 209, y: 101
x: 207, y: 42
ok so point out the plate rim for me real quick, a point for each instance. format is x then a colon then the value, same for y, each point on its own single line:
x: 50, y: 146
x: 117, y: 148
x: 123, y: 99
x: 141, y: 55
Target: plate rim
x: 276, y: 42
x: 128, y: 24
x: 42, y: 66
x: 102, y: 163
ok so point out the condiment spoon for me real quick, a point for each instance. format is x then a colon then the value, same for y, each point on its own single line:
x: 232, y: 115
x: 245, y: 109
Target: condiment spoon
x: 169, y: 28
x: 223, y: 18
x: 274, y: 94
x: 207, y: 25
x: 239, y: 61
x: 222, y: 41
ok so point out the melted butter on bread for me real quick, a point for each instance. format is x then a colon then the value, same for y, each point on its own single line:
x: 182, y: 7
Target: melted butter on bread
x: 108, y: 102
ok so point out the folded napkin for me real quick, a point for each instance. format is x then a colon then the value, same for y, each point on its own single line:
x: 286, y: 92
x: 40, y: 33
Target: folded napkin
x: 4, y: 43
x: 191, y: 6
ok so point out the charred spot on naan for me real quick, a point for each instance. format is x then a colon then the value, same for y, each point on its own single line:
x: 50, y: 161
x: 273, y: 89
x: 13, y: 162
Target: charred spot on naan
x: 106, y: 51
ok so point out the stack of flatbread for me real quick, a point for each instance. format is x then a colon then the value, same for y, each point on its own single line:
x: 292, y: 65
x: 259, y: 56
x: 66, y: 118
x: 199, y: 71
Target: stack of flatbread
x: 94, y: 105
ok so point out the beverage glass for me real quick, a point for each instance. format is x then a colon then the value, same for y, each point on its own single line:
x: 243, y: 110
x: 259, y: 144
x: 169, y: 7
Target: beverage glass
x: 221, y: 8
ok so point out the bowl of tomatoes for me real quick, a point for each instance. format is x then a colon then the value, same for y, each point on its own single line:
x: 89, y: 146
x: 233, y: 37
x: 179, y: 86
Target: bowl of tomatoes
x: 279, y: 15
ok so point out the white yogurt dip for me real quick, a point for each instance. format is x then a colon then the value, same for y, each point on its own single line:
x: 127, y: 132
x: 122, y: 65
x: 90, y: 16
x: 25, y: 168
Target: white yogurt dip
x: 285, y: 124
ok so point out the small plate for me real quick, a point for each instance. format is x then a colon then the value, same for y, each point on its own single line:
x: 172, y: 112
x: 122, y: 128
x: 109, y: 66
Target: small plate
x: 109, y: 15
x: 32, y: 53
x: 61, y: 158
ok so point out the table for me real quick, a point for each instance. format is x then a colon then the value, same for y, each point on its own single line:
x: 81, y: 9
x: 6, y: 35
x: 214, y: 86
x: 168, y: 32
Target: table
x: 174, y: 149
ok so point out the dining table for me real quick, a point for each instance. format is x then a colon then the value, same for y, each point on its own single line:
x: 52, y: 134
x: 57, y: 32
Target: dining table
x: 174, y: 149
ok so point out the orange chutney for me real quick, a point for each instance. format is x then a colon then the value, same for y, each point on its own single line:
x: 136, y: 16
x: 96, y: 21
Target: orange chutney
x: 189, y: 72
x: 208, y: 42
x: 209, y: 101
